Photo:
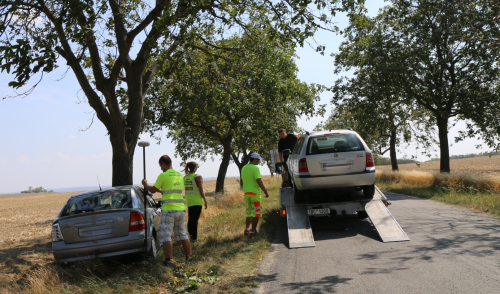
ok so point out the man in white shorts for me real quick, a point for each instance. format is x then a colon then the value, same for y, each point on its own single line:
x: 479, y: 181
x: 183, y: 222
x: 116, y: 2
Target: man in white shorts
x: 173, y: 215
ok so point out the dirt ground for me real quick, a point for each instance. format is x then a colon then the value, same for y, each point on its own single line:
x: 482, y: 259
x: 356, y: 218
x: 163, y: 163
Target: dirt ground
x: 483, y: 165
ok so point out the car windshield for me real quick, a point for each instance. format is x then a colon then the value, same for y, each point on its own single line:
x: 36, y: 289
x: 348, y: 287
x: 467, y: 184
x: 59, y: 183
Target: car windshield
x: 100, y: 200
x: 333, y: 143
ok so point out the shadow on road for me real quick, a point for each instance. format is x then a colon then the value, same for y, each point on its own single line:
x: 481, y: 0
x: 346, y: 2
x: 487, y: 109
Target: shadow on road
x: 323, y: 285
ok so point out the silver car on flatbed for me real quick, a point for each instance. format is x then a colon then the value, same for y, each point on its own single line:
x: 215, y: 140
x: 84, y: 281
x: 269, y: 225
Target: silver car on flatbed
x: 331, y: 160
x: 105, y: 223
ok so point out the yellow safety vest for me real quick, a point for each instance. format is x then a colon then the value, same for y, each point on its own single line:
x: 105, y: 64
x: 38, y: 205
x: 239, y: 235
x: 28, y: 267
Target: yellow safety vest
x: 193, y: 195
x: 171, y: 192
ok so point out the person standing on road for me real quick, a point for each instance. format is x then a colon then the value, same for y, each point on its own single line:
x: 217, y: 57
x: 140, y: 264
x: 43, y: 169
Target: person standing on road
x: 173, y: 215
x: 195, y: 197
x: 252, y: 185
x: 287, y: 141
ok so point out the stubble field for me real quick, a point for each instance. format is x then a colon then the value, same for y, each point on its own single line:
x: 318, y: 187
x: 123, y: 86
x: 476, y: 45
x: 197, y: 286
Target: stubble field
x: 484, y: 165
x: 26, y: 261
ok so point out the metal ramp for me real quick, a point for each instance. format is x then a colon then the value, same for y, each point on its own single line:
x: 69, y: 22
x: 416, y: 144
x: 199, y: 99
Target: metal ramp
x: 299, y: 229
x: 386, y: 225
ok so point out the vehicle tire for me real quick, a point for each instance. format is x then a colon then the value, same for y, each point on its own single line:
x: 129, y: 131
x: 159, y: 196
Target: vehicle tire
x: 362, y: 214
x: 154, y: 249
x: 298, y: 196
x: 369, y: 191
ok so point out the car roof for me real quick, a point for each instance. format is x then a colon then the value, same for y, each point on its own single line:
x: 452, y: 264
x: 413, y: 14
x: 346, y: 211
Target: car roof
x: 104, y: 189
x: 331, y: 131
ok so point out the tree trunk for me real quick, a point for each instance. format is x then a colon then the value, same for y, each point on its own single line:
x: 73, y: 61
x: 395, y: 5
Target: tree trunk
x: 226, y: 158
x: 122, y: 169
x: 442, y: 124
x: 392, y: 145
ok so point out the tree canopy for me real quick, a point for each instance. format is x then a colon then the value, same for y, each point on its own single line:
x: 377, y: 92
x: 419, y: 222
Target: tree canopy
x: 113, y: 47
x: 419, y: 49
x: 229, y: 102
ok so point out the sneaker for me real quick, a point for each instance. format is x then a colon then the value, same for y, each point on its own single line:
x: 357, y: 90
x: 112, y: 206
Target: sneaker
x: 189, y: 259
x: 247, y: 232
x: 255, y: 233
x: 169, y: 264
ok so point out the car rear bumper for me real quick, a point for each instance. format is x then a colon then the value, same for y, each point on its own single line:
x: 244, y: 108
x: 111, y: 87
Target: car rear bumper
x: 133, y: 242
x: 308, y: 182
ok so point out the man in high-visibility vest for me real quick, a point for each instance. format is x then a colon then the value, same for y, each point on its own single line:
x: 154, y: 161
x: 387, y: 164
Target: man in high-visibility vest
x: 252, y: 185
x: 173, y: 215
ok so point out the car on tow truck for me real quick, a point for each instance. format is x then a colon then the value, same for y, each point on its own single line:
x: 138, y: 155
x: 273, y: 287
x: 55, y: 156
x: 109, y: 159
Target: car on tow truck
x: 331, y: 160
x: 107, y: 222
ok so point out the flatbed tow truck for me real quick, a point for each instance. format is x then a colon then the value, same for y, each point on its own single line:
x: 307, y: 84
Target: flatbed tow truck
x: 343, y: 203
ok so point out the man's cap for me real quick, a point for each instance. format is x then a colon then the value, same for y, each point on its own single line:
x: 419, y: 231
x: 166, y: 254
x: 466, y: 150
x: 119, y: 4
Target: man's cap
x: 255, y: 155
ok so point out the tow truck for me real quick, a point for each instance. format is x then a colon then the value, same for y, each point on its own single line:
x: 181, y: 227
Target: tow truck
x: 350, y: 202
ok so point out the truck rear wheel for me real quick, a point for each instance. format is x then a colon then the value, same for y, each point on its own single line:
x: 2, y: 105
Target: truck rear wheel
x: 369, y: 191
x: 362, y: 214
x: 298, y: 196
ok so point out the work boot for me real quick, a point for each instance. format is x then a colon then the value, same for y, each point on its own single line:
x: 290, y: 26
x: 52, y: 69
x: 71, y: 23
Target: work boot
x: 169, y: 264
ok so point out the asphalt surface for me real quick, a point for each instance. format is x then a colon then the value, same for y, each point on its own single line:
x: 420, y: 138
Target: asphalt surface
x: 450, y: 251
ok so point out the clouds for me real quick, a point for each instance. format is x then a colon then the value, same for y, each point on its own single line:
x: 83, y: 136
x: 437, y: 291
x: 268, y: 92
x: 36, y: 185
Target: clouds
x: 71, y: 136
x: 59, y: 158
x: 23, y: 159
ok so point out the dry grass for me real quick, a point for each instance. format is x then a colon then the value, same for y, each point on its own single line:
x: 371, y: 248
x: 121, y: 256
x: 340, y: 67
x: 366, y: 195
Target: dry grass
x: 27, y: 264
x: 470, y: 190
x: 483, y: 165
x: 456, y: 181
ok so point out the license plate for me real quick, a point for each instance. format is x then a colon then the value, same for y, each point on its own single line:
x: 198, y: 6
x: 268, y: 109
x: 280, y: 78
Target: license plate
x: 318, y: 211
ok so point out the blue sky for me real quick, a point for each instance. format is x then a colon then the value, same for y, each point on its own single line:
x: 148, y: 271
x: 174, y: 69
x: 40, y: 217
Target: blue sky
x: 42, y: 146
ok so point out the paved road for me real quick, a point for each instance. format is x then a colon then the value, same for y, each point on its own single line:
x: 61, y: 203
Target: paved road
x: 451, y: 251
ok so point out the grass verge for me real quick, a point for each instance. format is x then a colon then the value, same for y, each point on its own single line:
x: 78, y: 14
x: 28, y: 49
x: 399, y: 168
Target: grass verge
x: 466, y: 190
x: 225, y: 260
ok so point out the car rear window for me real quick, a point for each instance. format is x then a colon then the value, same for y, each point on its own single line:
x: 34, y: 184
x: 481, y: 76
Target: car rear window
x: 95, y: 201
x: 333, y: 143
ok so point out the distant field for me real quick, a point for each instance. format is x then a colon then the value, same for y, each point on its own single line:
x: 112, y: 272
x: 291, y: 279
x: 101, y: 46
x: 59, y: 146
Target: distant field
x: 484, y: 165
x: 25, y: 246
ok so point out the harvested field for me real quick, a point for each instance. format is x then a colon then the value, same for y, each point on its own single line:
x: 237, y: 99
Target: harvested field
x: 26, y: 261
x: 483, y: 165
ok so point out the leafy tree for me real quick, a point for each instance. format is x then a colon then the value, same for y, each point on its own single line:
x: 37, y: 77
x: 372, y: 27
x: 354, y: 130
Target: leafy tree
x: 229, y: 102
x: 112, y: 47
x: 428, y: 61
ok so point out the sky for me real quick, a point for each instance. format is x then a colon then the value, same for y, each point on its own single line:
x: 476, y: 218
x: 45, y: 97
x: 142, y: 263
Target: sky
x: 43, y: 142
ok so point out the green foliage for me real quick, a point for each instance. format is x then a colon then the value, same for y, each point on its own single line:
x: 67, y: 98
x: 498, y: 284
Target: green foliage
x: 416, y: 55
x: 37, y: 190
x: 469, y: 155
x: 229, y: 102
x: 114, y: 48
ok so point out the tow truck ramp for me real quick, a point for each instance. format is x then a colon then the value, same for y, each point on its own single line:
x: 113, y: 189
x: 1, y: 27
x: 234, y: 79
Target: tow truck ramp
x: 386, y: 225
x: 299, y: 228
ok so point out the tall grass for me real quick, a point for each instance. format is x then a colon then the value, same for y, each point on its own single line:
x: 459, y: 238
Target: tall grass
x: 467, y: 190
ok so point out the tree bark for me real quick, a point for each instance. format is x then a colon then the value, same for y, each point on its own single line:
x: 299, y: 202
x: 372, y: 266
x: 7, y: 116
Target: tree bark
x: 442, y: 124
x: 226, y: 158
x: 122, y: 164
x: 392, y: 152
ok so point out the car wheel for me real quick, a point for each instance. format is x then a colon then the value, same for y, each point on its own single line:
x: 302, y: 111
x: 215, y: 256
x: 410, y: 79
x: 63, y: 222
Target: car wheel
x: 298, y: 196
x: 154, y: 249
x: 369, y: 191
x: 362, y: 214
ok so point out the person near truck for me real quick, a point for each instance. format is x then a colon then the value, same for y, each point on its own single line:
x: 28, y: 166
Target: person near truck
x: 287, y: 141
x: 173, y: 215
x: 252, y: 186
x: 195, y: 197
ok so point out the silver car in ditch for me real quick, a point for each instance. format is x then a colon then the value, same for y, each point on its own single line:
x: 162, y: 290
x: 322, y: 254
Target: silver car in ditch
x: 331, y: 160
x: 105, y: 223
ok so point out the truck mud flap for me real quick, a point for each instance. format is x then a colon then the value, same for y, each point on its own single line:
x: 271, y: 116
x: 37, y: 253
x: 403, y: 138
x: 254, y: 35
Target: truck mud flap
x: 299, y: 229
x: 386, y: 225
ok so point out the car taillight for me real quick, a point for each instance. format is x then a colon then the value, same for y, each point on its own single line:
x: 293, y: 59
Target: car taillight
x: 136, y: 221
x: 56, y: 233
x: 303, y: 166
x: 369, y: 160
